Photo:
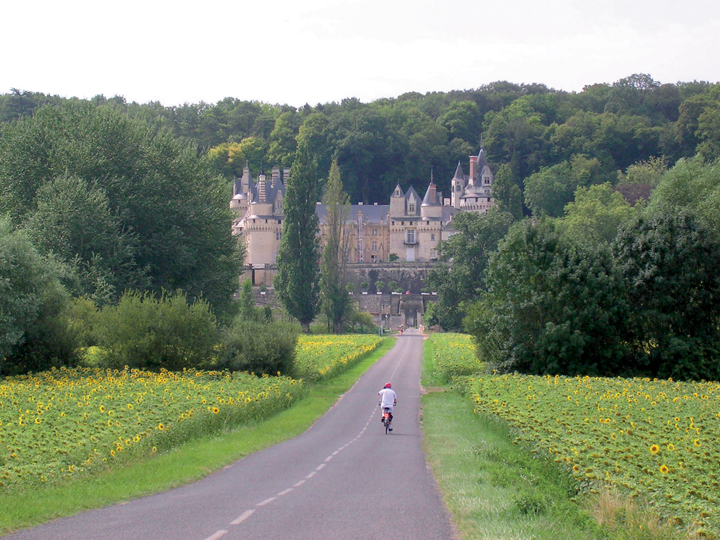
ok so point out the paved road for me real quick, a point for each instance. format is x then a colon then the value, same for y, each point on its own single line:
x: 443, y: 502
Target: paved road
x: 342, y: 479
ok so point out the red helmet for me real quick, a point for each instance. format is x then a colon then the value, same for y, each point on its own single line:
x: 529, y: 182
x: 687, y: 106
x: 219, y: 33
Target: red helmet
x: 388, y: 385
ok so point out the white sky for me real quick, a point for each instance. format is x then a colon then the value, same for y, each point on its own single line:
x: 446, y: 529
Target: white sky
x: 317, y: 51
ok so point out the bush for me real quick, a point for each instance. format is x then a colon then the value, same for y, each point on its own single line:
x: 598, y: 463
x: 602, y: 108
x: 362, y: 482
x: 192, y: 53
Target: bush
x: 362, y: 322
x: 379, y: 286
x: 260, y: 347
x: 149, y: 333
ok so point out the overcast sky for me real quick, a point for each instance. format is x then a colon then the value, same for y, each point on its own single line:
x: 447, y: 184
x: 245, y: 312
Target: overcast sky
x: 317, y: 51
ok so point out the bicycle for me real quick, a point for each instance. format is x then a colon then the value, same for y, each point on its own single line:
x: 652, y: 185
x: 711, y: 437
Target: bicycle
x: 386, y: 419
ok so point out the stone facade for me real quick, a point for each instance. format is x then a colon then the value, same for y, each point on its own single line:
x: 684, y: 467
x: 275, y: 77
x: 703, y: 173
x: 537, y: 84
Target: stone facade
x: 406, y: 230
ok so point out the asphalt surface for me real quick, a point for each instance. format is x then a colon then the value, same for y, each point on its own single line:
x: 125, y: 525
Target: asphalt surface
x: 344, y: 478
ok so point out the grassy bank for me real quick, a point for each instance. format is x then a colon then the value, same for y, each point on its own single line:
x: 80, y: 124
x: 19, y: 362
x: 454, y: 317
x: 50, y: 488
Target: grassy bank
x: 187, y: 463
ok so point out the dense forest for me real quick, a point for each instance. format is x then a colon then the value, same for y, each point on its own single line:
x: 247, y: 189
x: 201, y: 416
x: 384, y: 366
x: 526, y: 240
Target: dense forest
x: 592, y: 134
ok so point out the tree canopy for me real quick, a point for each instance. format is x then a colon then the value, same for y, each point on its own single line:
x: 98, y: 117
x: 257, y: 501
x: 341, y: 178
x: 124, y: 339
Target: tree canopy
x: 128, y: 205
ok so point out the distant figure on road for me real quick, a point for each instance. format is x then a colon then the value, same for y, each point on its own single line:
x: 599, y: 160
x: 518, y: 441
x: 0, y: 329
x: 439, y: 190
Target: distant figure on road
x: 388, y: 400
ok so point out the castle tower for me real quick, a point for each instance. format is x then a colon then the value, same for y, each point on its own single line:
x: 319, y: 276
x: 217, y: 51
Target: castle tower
x: 457, y: 186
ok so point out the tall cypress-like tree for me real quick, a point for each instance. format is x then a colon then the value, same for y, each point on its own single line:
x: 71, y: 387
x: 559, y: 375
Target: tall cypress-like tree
x: 336, y: 302
x: 297, y: 283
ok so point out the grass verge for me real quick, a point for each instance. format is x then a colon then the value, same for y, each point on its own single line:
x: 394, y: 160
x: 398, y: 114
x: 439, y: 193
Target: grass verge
x: 493, y: 488
x: 185, y: 464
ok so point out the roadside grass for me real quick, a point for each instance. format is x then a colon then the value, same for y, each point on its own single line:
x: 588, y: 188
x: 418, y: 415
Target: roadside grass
x: 188, y: 462
x: 495, y: 489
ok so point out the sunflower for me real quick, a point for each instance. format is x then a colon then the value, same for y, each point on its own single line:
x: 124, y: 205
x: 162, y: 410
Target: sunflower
x: 215, y: 410
x: 671, y: 447
x: 664, y: 469
x: 697, y: 442
x: 654, y: 449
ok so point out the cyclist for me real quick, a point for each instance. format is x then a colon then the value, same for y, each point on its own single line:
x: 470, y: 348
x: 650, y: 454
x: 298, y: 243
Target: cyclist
x: 388, y: 399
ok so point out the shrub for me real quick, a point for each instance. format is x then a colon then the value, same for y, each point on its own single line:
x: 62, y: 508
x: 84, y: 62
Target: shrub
x: 379, y: 286
x: 363, y: 322
x: 260, y: 347
x: 153, y: 333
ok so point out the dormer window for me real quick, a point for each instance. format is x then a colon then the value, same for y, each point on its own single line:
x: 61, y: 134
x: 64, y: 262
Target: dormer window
x: 411, y: 207
x: 487, y: 180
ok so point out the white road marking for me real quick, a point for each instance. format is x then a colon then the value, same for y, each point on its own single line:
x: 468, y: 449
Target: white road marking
x: 311, y: 474
x: 300, y: 483
x: 215, y: 536
x: 242, y: 517
x: 285, y: 492
x: 319, y: 467
x: 266, y: 501
x: 328, y: 459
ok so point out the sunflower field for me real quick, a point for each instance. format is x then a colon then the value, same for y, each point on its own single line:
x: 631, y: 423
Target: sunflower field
x: 655, y: 438
x: 323, y: 356
x: 454, y: 355
x: 60, y: 423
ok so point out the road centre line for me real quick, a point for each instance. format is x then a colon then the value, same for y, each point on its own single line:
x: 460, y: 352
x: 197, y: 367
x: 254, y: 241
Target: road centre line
x: 320, y: 467
x: 285, y: 492
x: 311, y: 474
x: 242, y: 517
x: 266, y: 501
x: 300, y: 483
x: 215, y: 536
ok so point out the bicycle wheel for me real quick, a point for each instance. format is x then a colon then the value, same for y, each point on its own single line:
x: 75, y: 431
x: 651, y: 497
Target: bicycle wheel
x: 386, y: 421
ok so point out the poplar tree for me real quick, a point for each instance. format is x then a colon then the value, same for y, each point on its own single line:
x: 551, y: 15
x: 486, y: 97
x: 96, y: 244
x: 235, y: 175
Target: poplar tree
x: 297, y: 280
x: 336, y: 302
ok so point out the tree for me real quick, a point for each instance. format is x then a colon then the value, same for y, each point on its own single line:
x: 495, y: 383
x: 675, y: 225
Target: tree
x: 506, y: 192
x: 670, y: 262
x: 247, y: 310
x: 595, y: 215
x: 297, y: 280
x: 694, y: 185
x: 551, y: 306
x: 157, y: 189
x: 336, y: 302
x: 74, y: 221
x: 460, y: 280
x: 282, y: 144
x: 33, y: 329
x: 549, y: 190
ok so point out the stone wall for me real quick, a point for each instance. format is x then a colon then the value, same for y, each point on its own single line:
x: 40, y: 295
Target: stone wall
x: 409, y: 276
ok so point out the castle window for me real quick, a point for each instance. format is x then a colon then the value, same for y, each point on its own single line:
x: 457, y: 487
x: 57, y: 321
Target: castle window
x: 411, y: 208
x: 487, y: 179
x: 432, y: 236
x: 278, y: 235
x: 410, y: 236
x: 374, y: 232
x: 374, y: 245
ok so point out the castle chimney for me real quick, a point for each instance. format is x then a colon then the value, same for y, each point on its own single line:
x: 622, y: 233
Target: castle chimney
x: 261, y: 188
x: 275, y: 176
x: 286, y: 174
x: 473, y: 169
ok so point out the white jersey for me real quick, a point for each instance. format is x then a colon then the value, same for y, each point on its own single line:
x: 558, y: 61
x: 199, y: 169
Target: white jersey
x: 387, y: 397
